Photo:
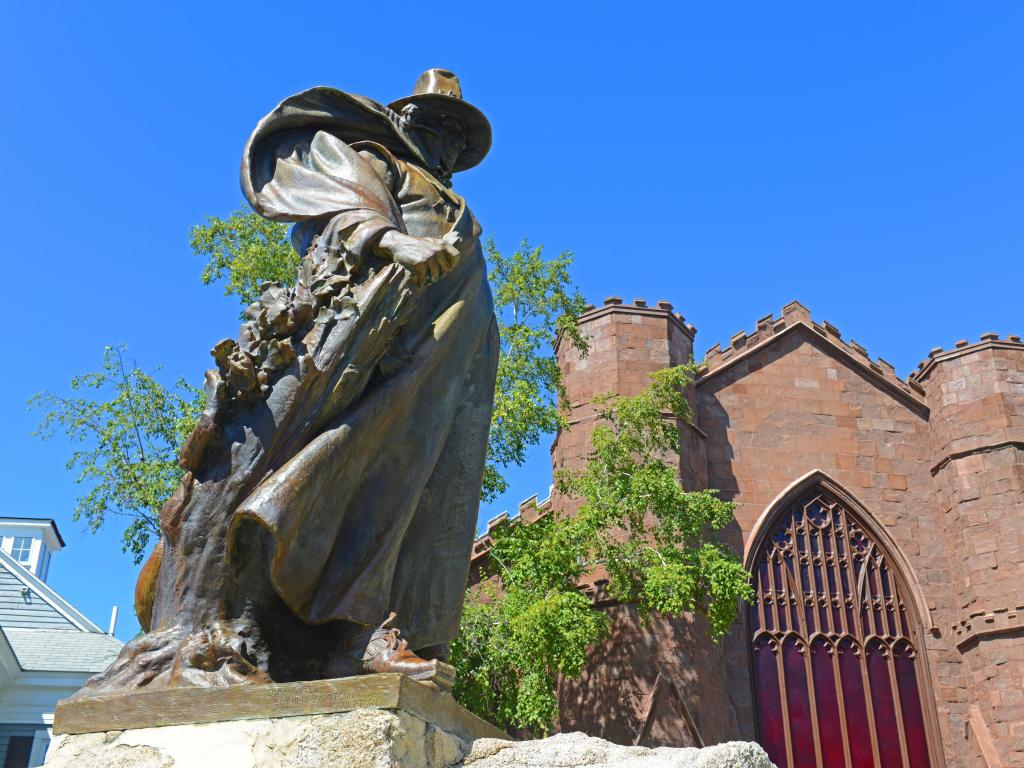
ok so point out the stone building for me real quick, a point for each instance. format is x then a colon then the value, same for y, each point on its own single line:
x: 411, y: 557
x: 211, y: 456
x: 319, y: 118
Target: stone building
x: 882, y: 519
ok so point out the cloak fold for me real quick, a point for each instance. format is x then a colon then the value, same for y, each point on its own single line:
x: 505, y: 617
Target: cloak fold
x: 284, y: 181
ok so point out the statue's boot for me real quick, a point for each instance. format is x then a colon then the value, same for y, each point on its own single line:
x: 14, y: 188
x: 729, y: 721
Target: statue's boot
x: 381, y: 650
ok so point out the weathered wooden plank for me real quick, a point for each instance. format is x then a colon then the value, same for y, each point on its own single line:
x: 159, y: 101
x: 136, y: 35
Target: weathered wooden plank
x: 443, y: 711
x: 183, y: 706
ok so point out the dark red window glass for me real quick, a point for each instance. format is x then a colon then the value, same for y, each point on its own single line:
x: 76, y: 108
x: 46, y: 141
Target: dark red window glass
x: 886, y: 727
x: 910, y: 702
x: 829, y: 717
x: 800, y: 725
x: 769, y: 698
x: 835, y: 669
x: 858, y: 727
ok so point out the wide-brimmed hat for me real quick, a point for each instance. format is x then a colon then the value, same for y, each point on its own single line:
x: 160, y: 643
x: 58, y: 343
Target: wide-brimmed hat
x: 440, y: 89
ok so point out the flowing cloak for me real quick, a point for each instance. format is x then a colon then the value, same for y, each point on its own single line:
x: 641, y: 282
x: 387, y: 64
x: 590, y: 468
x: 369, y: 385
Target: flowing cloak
x: 372, y: 484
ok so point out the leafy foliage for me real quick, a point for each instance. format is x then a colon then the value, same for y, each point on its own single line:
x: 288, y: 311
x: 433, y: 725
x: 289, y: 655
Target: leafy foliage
x: 131, y: 428
x: 535, y: 301
x: 244, y: 250
x: 655, y: 540
x: 514, y: 643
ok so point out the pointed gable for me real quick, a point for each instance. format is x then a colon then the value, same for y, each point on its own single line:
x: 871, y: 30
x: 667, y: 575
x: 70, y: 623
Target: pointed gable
x: 794, y: 397
x: 796, y: 319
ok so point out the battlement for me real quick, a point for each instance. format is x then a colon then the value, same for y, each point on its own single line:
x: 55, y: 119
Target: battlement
x: 639, y: 306
x: 794, y: 315
x: 594, y: 586
x: 963, y: 347
x: 530, y: 510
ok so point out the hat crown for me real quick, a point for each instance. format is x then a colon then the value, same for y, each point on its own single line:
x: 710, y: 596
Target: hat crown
x: 440, y: 90
x: 439, y: 81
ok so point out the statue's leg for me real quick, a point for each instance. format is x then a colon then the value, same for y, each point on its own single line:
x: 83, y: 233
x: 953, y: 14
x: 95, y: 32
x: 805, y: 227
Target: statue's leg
x: 444, y: 524
x: 441, y: 528
x: 296, y: 650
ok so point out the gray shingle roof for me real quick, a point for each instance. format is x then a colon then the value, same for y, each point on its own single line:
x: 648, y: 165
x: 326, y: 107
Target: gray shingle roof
x: 62, y: 650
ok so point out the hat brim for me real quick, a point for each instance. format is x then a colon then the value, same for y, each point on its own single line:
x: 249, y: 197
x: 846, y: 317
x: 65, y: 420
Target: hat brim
x: 478, y: 129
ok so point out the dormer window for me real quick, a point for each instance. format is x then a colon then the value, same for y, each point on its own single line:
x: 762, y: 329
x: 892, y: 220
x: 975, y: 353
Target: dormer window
x: 21, y: 550
x: 30, y: 541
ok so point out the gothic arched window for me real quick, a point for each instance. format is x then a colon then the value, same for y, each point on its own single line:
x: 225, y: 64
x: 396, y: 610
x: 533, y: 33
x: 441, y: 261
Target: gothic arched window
x: 834, y: 649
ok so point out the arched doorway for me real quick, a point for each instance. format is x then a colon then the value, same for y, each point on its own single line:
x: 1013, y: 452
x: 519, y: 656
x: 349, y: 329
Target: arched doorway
x: 834, y: 642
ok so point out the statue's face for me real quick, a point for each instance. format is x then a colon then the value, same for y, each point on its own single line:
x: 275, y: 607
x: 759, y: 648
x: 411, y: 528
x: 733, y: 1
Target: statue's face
x: 453, y: 137
x: 443, y: 137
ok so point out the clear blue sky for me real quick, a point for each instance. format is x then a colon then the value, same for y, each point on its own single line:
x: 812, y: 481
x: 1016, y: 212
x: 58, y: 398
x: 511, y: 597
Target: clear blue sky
x: 864, y: 158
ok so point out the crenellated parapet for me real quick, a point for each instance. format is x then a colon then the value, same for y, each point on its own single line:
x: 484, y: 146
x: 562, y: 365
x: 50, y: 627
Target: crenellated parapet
x: 530, y: 510
x: 964, y: 347
x: 975, y: 391
x: 627, y: 343
x: 794, y: 316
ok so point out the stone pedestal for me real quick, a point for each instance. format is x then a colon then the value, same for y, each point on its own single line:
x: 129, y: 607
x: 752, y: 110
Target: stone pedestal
x: 371, y: 721
x: 374, y: 721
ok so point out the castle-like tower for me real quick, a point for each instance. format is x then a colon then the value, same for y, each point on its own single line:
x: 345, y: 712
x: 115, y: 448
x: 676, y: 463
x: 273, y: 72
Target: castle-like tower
x: 975, y: 394
x: 882, y: 519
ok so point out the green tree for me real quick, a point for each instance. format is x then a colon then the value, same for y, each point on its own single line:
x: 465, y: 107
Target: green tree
x: 244, y: 250
x: 535, y: 301
x: 656, y: 541
x: 132, y: 428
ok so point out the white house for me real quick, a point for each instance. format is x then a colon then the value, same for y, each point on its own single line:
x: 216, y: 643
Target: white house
x: 48, y: 649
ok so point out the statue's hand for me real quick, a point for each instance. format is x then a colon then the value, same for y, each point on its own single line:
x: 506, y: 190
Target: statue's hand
x: 428, y: 258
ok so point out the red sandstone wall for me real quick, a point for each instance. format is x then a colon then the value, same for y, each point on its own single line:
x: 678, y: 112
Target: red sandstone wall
x: 937, y: 460
x: 798, y: 405
x: 655, y: 683
x: 977, y: 397
x: 627, y: 343
x: 660, y: 683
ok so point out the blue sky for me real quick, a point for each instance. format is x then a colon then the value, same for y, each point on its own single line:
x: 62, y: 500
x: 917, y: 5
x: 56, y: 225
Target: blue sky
x: 864, y: 158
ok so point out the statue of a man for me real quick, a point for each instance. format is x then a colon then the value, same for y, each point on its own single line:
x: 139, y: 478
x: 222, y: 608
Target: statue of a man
x: 333, y: 480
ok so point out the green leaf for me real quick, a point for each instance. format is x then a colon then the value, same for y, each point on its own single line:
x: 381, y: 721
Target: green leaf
x: 535, y: 301
x: 244, y: 250
x: 130, y: 428
x: 529, y: 626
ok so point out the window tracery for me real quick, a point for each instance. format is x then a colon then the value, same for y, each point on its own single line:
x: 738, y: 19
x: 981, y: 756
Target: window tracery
x: 835, y: 665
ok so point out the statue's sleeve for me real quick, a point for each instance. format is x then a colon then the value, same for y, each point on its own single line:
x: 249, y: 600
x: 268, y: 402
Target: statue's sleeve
x: 320, y: 177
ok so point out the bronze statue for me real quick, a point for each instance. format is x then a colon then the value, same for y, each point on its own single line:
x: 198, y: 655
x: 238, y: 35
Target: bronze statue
x: 324, y: 522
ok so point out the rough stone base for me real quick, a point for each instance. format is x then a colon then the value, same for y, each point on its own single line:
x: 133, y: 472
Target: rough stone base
x: 370, y: 721
x: 575, y: 750
x: 366, y: 738
x: 363, y: 738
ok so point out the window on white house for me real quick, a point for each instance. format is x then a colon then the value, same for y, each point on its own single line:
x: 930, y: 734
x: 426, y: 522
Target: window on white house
x: 19, y: 750
x: 22, y: 549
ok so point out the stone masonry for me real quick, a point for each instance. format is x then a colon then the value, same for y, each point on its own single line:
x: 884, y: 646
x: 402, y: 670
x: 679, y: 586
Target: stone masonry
x: 936, y: 460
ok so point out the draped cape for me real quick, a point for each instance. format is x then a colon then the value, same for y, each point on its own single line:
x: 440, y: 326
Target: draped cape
x: 294, y: 191
x: 371, y: 496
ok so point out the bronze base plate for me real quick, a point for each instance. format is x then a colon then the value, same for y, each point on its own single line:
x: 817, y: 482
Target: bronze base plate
x: 184, y: 706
